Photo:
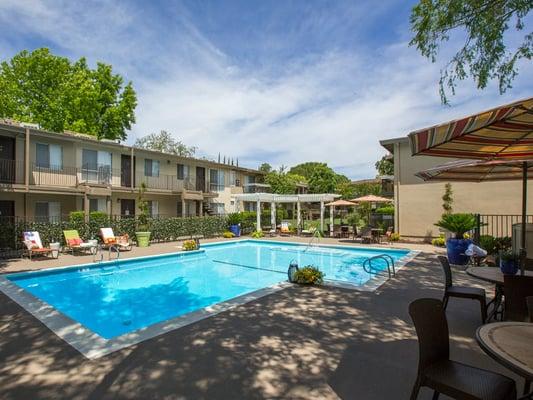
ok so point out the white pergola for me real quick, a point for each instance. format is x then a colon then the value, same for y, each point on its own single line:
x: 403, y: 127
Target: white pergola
x: 297, y: 199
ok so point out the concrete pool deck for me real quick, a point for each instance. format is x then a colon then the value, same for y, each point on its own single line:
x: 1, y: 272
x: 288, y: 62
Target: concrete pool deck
x: 298, y: 343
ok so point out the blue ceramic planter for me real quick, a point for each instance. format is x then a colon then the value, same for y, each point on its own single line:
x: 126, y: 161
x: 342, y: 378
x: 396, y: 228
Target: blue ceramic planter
x: 509, y: 267
x: 456, y: 250
x: 235, y: 229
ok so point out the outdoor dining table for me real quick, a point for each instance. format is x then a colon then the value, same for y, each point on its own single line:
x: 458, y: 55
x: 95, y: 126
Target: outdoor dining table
x: 510, y: 344
x: 495, y: 276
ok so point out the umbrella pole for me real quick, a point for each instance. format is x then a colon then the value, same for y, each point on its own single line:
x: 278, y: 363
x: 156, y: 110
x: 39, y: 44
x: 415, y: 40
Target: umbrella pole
x: 523, y: 252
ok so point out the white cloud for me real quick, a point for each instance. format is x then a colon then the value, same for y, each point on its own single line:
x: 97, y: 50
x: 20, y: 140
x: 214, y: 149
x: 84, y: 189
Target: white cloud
x: 332, y: 107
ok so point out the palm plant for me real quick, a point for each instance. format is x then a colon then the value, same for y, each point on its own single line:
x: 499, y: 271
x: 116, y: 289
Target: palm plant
x: 458, y: 223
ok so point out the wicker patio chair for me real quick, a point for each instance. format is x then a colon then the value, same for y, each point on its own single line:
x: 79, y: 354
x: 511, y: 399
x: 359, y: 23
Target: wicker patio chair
x: 515, y: 289
x: 435, y: 369
x: 464, y: 292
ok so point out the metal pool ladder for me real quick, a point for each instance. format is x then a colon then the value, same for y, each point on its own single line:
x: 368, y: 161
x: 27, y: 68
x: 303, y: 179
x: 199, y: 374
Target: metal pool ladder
x: 316, y: 236
x: 367, y: 265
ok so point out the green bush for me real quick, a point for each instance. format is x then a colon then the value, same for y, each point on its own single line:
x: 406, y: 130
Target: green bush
x: 458, y: 224
x: 234, y: 219
x: 394, y: 237
x: 309, y: 275
x: 488, y: 243
x: 386, y: 210
x: 502, y: 244
x: 228, y: 235
x: 439, y: 242
x: 257, y: 234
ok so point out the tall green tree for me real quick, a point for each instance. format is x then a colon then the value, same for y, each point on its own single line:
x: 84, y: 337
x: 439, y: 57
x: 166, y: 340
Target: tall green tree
x: 323, y: 180
x: 385, y: 166
x: 59, y: 95
x: 283, y: 183
x: 165, y: 143
x: 265, y: 167
x: 484, y: 55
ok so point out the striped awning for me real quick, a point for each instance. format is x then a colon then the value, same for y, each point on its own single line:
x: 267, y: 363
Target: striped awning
x: 478, y: 171
x: 503, y: 132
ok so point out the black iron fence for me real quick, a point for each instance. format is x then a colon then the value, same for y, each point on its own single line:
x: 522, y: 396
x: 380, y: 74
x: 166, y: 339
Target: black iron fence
x: 498, y: 225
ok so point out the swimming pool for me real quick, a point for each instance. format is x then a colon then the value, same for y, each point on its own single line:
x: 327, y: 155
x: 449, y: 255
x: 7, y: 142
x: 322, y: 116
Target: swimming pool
x: 116, y: 298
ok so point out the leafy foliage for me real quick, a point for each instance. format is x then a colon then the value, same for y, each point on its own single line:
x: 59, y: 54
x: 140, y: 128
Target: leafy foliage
x: 385, y: 166
x: 283, y: 183
x: 257, y: 234
x: 265, y: 167
x: 323, y: 180
x: 386, y: 210
x: 484, y: 55
x: 49, y: 90
x: 142, y: 204
x: 228, y: 235
x: 440, y: 241
x: 165, y: 143
x: 458, y: 224
x: 394, y: 237
x: 189, y: 245
x: 447, y: 199
x: 309, y: 275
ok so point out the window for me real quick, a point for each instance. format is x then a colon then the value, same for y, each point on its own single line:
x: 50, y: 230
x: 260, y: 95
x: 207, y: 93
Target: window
x: 217, y: 179
x: 182, y: 171
x: 250, y: 206
x: 151, y: 167
x: 153, y: 208
x: 248, y: 179
x: 96, y: 165
x: 233, y: 178
x: 48, y: 211
x: 49, y: 156
x: 97, y: 205
x: 218, y: 208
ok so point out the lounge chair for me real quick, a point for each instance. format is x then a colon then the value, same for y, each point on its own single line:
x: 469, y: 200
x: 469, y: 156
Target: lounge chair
x: 34, y: 245
x: 74, y: 242
x: 285, y: 230
x: 109, y: 239
x: 366, y: 235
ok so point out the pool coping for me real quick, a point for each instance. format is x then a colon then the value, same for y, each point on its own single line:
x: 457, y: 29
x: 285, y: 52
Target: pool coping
x: 93, y: 346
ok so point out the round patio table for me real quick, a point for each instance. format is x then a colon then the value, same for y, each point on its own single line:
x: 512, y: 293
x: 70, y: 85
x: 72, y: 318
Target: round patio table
x: 493, y: 275
x: 510, y: 344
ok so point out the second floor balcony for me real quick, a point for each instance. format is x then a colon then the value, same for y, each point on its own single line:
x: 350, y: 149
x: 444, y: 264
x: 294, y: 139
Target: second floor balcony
x: 256, y: 188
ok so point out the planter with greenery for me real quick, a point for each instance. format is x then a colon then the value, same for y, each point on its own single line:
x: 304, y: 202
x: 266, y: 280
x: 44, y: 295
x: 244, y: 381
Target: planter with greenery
x: 308, y: 275
x: 228, y: 235
x: 458, y: 224
x: 508, y: 263
x: 257, y: 234
x: 234, y: 222
x: 142, y: 233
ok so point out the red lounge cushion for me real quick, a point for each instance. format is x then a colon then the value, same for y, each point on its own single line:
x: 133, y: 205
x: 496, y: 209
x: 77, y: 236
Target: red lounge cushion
x: 74, y: 242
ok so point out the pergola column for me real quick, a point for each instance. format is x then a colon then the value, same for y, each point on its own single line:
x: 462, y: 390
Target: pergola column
x: 298, y: 216
x: 331, y: 221
x: 258, y: 212
x: 273, y: 215
x: 322, y: 216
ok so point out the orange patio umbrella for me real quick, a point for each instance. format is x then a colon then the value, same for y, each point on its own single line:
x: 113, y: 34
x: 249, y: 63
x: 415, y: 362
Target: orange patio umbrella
x: 371, y: 199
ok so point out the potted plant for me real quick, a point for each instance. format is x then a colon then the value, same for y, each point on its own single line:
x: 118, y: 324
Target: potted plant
x: 142, y: 233
x: 458, y: 224
x: 508, y: 263
x: 308, y: 275
x: 234, y: 222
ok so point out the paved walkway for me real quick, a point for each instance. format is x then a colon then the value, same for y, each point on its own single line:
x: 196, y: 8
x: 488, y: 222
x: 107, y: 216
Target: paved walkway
x: 300, y: 343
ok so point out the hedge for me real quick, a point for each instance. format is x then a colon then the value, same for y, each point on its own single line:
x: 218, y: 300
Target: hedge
x: 163, y: 229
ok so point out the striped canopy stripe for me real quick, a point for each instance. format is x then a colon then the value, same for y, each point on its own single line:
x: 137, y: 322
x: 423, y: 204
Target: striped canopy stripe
x: 477, y: 171
x: 503, y: 132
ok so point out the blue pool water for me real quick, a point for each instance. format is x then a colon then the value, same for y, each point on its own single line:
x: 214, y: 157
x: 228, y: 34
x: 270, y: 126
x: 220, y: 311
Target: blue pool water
x: 120, y: 297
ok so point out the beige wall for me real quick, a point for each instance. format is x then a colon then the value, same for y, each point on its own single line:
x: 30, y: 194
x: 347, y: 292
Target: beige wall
x: 419, y: 203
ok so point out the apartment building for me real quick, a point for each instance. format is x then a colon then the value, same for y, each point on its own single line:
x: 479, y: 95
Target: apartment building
x: 46, y: 175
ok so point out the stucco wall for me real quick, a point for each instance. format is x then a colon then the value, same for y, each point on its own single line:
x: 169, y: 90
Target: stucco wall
x: 419, y: 203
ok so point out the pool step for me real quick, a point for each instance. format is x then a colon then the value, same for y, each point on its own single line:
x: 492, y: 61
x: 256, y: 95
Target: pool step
x: 367, y: 265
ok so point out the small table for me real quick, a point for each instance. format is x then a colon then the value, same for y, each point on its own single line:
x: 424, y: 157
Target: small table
x: 376, y: 234
x: 493, y: 275
x: 510, y: 344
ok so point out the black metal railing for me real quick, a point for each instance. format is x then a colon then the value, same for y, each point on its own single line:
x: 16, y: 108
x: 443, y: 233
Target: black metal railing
x: 11, y: 172
x: 53, y: 175
x: 498, y: 225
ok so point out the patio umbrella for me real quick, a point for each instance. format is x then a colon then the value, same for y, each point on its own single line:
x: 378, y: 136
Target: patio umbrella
x: 338, y: 203
x: 371, y: 199
x: 505, y: 133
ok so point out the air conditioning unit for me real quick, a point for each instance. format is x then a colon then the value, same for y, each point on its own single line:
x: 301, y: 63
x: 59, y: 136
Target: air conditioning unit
x: 517, y: 235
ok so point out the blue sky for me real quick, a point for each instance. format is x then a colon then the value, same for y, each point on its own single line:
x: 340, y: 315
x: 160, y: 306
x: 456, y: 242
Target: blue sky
x: 265, y: 81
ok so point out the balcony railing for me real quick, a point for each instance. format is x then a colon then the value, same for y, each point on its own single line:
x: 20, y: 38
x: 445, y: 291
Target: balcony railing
x: 11, y: 172
x: 53, y: 175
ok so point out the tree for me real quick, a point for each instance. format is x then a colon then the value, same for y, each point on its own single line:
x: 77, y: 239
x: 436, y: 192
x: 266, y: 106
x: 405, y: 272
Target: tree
x: 323, y: 180
x: 265, y: 167
x: 447, y: 199
x: 385, y: 166
x: 484, y: 54
x: 49, y: 90
x: 306, y: 169
x: 283, y: 183
x: 165, y: 143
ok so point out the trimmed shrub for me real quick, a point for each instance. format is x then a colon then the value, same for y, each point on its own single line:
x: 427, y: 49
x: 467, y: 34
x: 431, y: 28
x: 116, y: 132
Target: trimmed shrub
x: 257, y: 234
x: 309, y: 275
x: 228, y: 235
x: 189, y: 245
